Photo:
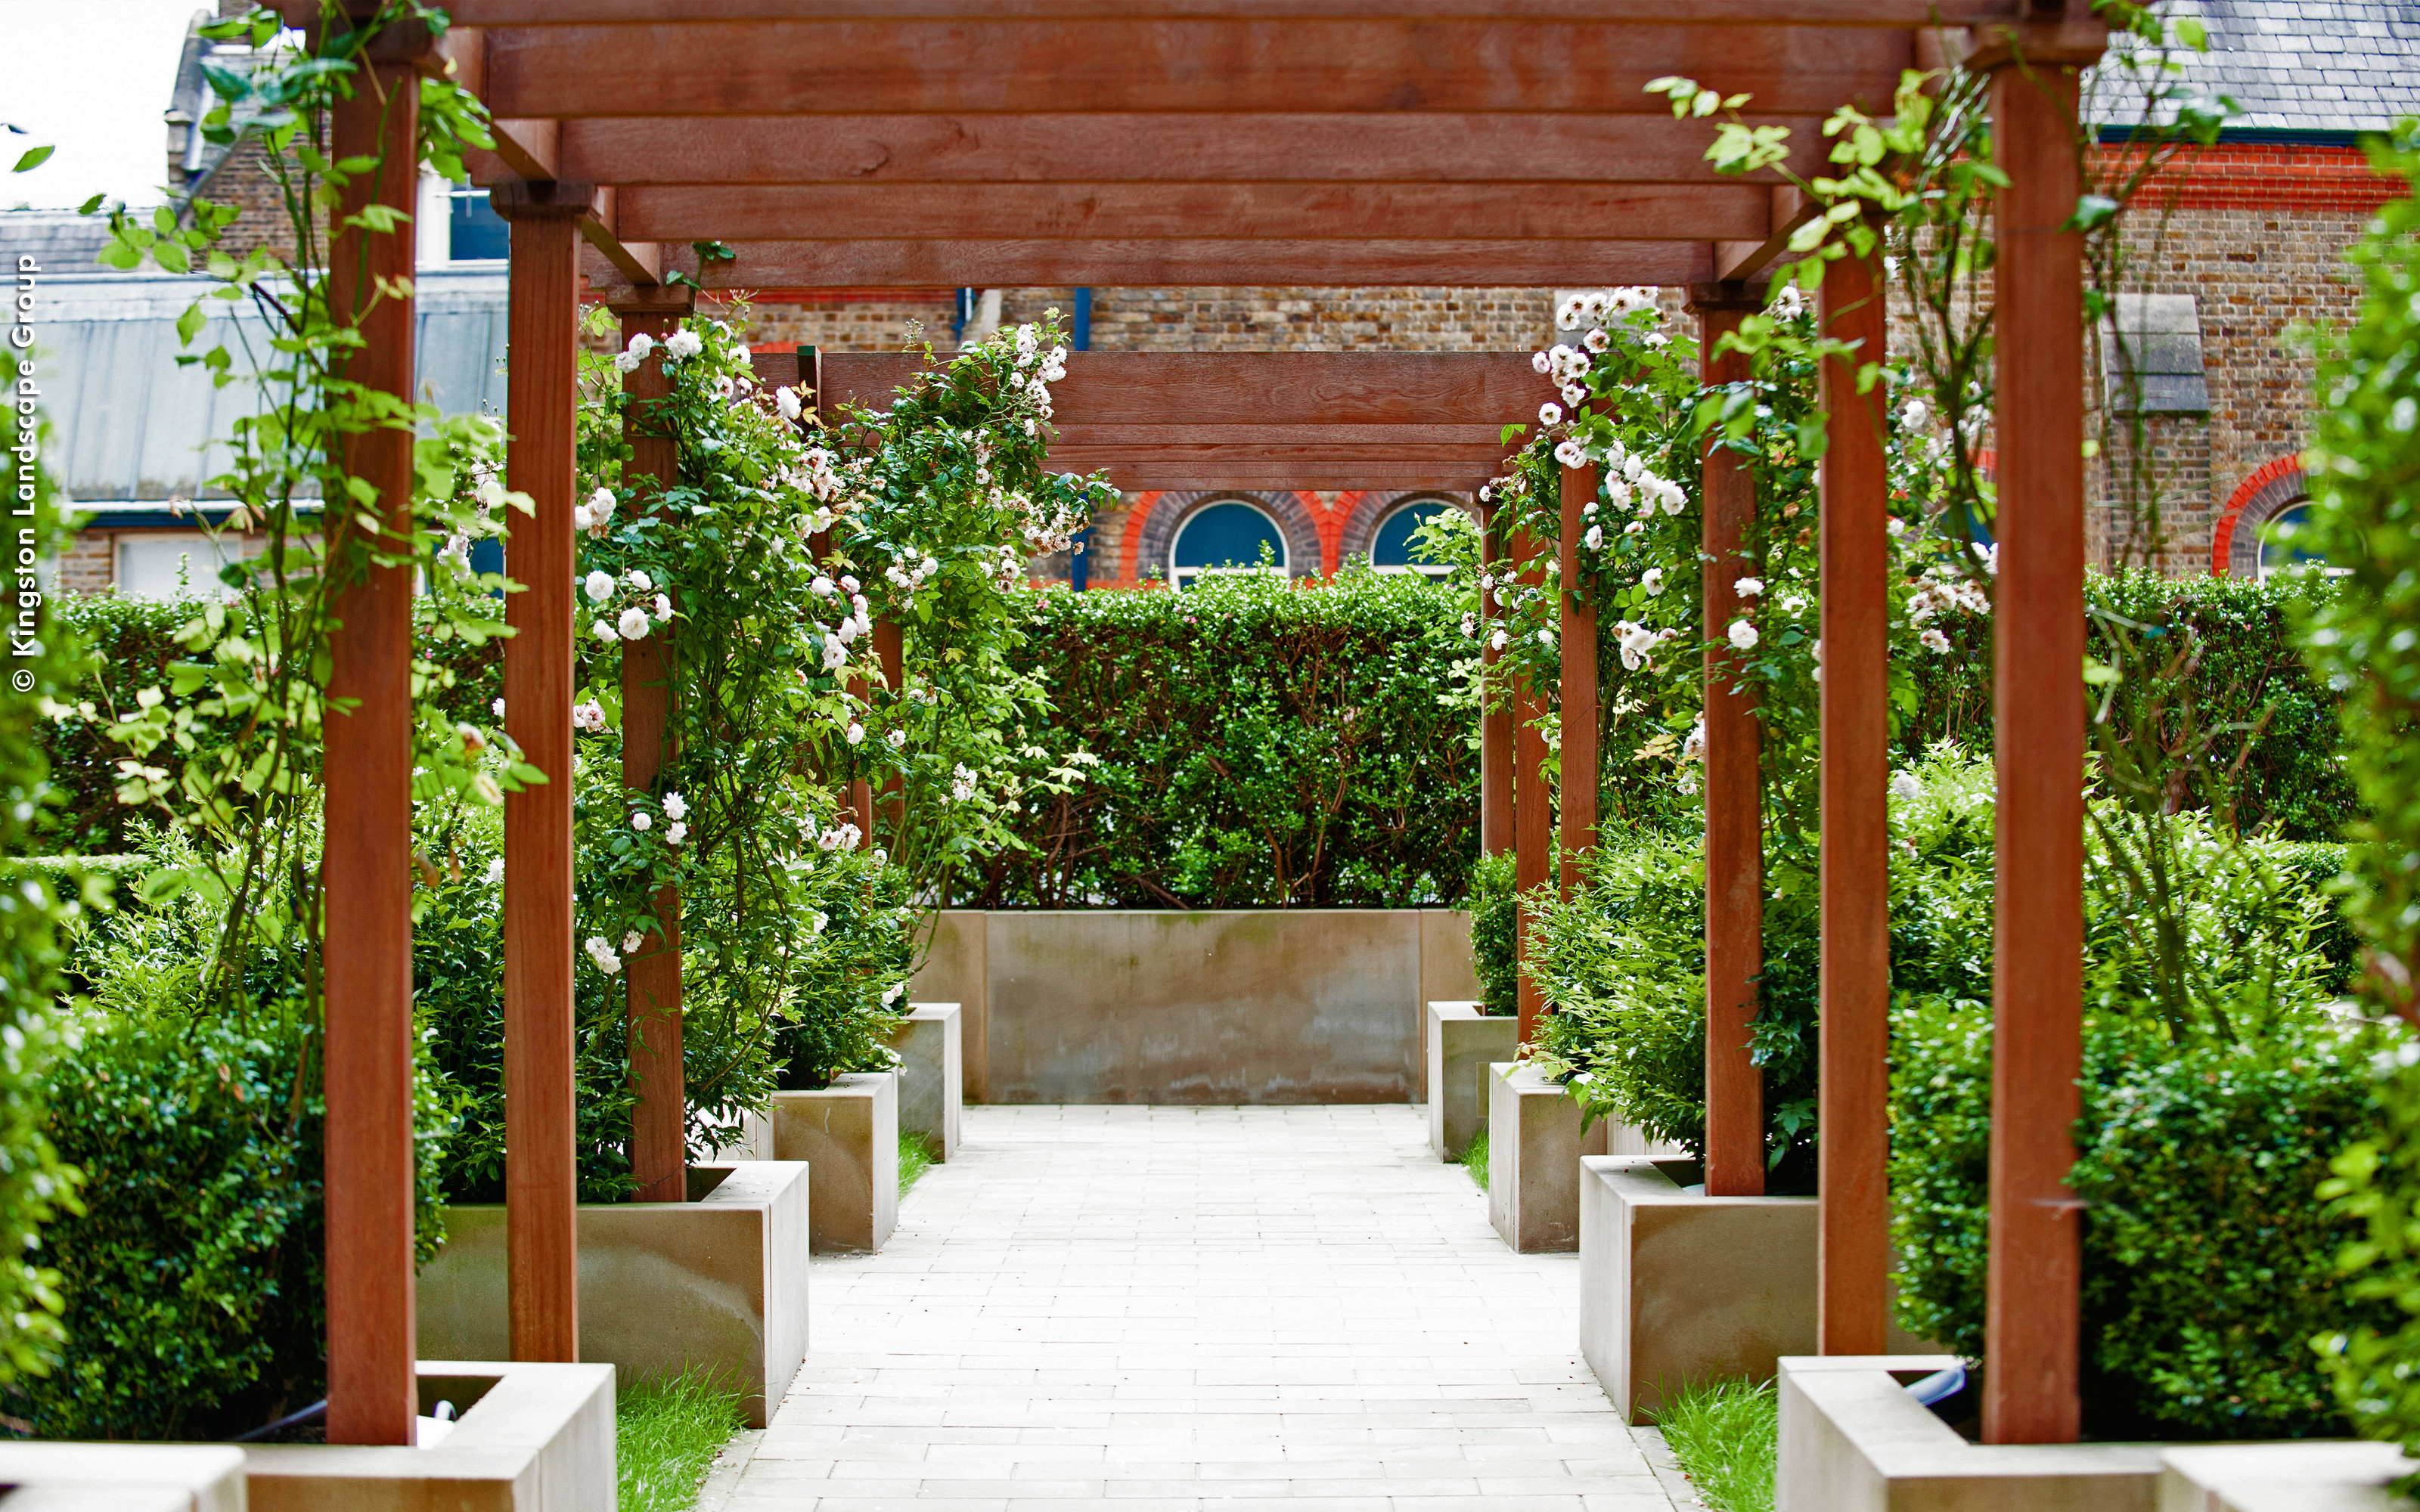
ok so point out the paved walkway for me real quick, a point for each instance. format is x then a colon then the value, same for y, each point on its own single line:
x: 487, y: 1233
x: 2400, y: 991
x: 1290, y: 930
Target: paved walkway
x: 1180, y: 1308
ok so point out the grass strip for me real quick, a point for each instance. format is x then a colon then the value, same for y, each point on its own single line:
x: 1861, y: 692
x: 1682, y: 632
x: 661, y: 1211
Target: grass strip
x: 916, y: 1155
x: 1726, y: 1435
x: 666, y: 1435
x: 1474, y: 1160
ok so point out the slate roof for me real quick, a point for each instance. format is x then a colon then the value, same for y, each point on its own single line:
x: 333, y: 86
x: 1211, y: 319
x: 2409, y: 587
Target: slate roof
x: 2317, y: 66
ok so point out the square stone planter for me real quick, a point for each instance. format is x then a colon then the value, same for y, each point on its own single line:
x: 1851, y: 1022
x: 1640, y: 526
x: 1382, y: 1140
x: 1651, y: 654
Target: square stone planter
x: 932, y: 1059
x: 848, y: 1136
x: 121, y: 1478
x: 1679, y: 1289
x: 2320, y: 1476
x: 955, y: 970
x: 1853, y: 1440
x: 1534, y: 1145
x: 1461, y: 1043
x: 530, y: 1438
x: 718, y: 1281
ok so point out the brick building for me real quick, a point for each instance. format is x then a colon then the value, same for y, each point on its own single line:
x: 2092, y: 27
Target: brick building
x: 2245, y: 246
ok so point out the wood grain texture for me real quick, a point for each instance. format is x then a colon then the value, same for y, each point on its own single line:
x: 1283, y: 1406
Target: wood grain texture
x: 1495, y: 720
x: 1116, y: 211
x: 659, y: 1118
x: 1735, y: 1153
x: 2031, y: 1294
x: 1578, y: 641
x: 1464, y: 263
x: 1533, y: 807
x: 1155, y: 147
x: 372, y: 1394
x: 1289, y: 389
x: 541, y: 1178
x: 1853, y: 1254
x: 1896, y: 14
x: 871, y: 67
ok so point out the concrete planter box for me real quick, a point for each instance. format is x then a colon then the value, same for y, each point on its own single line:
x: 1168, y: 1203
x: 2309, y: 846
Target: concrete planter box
x: 1204, y: 1006
x: 1853, y: 1440
x: 1678, y: 1288
x: 931, y: 1046
x: 2326, y: 1475
x: 1534, y: 1145
x: 531, y: 1438
x: 1461, y: 1043
x: 121, y: 1478
x: 720, y: 1281
x: 848, y: 1136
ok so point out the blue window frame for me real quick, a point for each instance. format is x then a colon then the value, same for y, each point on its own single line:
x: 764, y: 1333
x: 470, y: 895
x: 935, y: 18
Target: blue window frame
x: 1392, y: 551
x: 474, y: 232
x: 1225, y: 537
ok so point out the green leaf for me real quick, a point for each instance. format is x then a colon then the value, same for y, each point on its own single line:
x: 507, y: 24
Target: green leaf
x: 34, y: 158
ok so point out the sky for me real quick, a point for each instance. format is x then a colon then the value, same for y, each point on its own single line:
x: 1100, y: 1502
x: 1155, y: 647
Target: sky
x: 92, y: 76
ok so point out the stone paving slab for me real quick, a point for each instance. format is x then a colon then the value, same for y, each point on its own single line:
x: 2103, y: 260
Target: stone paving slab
x: 1162, y: 1309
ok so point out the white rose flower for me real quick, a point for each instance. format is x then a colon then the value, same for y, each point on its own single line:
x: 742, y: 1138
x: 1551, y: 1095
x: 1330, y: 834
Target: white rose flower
x: 495, y: 871
x: 641, y: 822
x: 633, y: 624
x: 499, y: 707
x: 1653, y: 580
x: 663, y: 607
x: 1594, y: 539
x: 787, y: 400
x: 598, y: 586
x: 640, y: 346
x: 1546, y: 638
x: 1500, y: 640
x: 1541, y: 362
x: 1749, y: 587
x: 675, y: 832
x: 1904, y: 785
x: 1575, y: 395
x: 631, y: 942
x: 640, y: 581
x: 676, y: 807
x: 856, y: 732
x: 1549, y: 414
x: 682, y: 344
x: 898, y: 739
x: 1935, y: 641
x: 1744, y: 635
x: 603, y: 631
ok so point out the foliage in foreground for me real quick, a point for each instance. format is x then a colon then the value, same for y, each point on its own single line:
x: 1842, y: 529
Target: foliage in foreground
x: 1727, y: 1437
x: 1495, y: 905
x: 666, y: 1434
x: 1474, y: 1160
x: 2365, y: 482
x: 916, y: 1156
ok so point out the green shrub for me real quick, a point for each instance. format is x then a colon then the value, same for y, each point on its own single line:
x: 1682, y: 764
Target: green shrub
x: 1258, y: 745
x: 1494, y: 933
x: 2212, y: 1101
x: 193, y: 1277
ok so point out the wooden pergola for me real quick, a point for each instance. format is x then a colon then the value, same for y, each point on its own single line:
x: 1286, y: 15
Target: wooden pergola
x: 1050, y: 143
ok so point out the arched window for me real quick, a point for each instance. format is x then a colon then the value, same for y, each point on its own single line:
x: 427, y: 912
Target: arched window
x: 1226, y: 536
x: 2280, y: 551
x: 1392, y: 548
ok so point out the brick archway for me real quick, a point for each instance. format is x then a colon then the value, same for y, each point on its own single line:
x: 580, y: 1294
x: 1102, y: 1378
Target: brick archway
x: 1361, y: 528
x: 2235, y: 546
x: 1170, y: 510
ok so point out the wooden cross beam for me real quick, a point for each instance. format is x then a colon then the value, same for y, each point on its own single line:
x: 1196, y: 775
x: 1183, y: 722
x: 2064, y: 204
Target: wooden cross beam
x: 700, y: 68
x: 1887, y: 14
x: 1138, y: 147
x: 1183, y: 264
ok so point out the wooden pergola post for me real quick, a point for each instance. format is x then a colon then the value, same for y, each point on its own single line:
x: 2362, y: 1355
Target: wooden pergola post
x: 542, y: 399
x: 1533, y: 824
x: 1495, y: 724
x: 1736, y: 1155
x: 659, y: 1118
x: 2031, y: 1295
x: 1577, y: 640
x: 366, y: 875
x: 1854, y: 1095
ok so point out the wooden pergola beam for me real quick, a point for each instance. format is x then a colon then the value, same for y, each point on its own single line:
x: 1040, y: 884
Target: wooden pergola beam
x: 1006, y: 263
x: 1249, y: 477
x: 856, y: 67
x: 1289, y: 389
x: 1115, y: 212
x: 1886, y: 14
x: 1142, y: 148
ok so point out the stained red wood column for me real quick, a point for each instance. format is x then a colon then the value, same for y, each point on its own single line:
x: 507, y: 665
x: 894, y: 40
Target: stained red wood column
x: 541, y: 401
x: 1495, y: 724
x: 1853, y: 1111
x: 1736, y: 1155
x: 659, y: 1118
x: 1533, y: 824
x: 2031, y: 1307
x: 366, y: 875
x: 1577, y: 639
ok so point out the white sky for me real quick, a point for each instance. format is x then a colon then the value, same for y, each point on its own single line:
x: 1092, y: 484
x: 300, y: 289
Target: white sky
x: 93, y: 77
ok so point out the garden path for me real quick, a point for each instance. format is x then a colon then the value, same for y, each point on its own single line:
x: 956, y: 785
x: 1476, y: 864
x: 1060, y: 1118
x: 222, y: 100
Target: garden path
x: 1180, y: 1308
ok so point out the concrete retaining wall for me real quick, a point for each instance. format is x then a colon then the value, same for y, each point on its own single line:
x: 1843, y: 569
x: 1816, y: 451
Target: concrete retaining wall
x: 1217, y: 1007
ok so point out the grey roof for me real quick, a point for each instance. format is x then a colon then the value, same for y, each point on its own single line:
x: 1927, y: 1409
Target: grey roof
x: 61, y: 241
x: 2308, y: 64
x: 129, y: 423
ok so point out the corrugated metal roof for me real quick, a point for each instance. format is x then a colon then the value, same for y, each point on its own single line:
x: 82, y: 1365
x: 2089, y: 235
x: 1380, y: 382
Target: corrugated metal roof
x: 130, y: 424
